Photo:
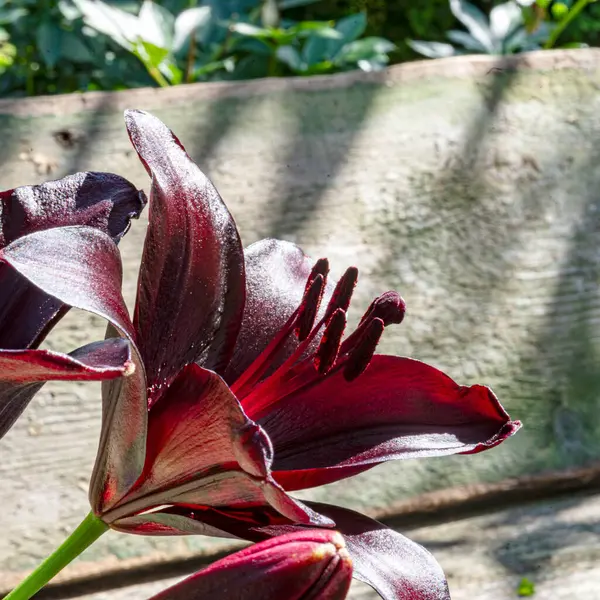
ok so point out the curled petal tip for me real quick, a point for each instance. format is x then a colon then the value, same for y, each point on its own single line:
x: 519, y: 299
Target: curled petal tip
x: 253, y: 451
x: 129, y: 368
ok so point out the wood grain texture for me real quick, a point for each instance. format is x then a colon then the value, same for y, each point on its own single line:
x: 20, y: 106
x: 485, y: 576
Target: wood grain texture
x: 470, y: 185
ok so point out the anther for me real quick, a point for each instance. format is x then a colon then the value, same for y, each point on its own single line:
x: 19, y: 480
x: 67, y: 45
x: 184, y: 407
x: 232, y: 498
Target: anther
x: 342, y: 293
x: 329, y: 347
x: 321, y: 267
x: 310, y: 307
x: 361, y: 355
x: 389, y: 307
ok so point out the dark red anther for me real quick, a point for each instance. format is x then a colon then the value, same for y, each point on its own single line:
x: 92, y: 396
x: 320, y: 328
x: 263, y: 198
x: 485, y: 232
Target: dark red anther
x: 389, y: 307
x: 362, y: 353
x: 321, y: 267
x: 329, y: 347
x: 310, y: 307
x: 343, y: 291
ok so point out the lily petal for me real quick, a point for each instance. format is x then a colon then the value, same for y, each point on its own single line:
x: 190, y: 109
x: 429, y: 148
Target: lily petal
x: 104, y: 201
x: 191, y: 286
x: 94, y: 362
x: 80, y: 266
x: 23, y: 371
x: 276, y: 275
x: 228, y: 465
x: 166, y: 523
x: 304, y: 565
x: 394, y: 566
x: 88, y: 276
x: 399, y: 408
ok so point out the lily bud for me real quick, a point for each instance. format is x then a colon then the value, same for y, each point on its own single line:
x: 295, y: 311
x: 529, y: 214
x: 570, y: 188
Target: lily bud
x: 305, y: 565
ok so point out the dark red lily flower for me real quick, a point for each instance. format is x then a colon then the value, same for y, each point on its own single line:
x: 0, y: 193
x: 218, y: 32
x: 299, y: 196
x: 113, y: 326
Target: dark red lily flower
x: 101, y: 200
x: 305, y: 565
x: 245, y: 385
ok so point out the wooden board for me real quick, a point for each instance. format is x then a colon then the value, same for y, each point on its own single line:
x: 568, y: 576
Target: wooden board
x: 470, y: 185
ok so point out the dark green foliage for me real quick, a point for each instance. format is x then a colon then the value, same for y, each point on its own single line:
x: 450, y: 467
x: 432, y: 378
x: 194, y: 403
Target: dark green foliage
x: 586, y: 28
x: 51, y: 54
x: 76, y: 45
x: 399, y: 20
x: 46, y: 48
x: 395, y: 20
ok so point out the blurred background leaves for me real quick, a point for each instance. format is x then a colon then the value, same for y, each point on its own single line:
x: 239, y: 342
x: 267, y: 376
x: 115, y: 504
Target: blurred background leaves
x: 49, y: 47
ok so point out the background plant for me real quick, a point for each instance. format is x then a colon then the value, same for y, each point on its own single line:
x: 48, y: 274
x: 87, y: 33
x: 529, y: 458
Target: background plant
x: 49, y: 47
x: 402, y: 20
x: 511, y: 27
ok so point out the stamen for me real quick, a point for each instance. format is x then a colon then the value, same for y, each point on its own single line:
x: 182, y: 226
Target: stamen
x: 310, y: 307
x: 342, y: 293
x: 361, y: 355
x: 264, y: 360
x: 389, y: 307
x: 330, y: 342
x: 299, y: 320
x: 321, y: 267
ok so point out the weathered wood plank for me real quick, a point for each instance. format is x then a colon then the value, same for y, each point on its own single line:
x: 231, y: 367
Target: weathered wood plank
x: 473, y: 191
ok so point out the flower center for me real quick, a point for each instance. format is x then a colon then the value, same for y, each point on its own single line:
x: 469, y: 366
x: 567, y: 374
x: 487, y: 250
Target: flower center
x: 306, y: 366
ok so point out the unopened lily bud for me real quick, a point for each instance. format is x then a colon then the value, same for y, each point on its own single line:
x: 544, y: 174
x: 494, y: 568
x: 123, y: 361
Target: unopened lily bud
x: 305, y: 565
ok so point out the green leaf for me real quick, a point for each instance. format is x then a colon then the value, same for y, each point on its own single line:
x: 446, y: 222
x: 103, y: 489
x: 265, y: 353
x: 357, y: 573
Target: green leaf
x: 291, y: 57
x: 377, y: 63
x: 171, y: 71
x: 475, y: 21
x: 352, y: 27
x: 366, y: 49
x: 11, y: 15
x: 8, y: 52
x: 190, y: 21
x: 285, y: 4
x: 432, y: 49
x: 319, y: 28
x: 68, y: 10
x: 282, y: 37
x: 251, y: 30
x: 251, y: 67
x: 314, y: 50
x: 325, y: 66
x: 466, y: 40
x: 269, y: 13
x: 72, y: 46
x: 150, y: 54
x: 156, y: 24
x: 48, y: 39
x: 327, y: 33
x: 253, y: 46
x: 504, y: 19
x: 214, y: 66
x: 526, y: 588
x: 122, y: 27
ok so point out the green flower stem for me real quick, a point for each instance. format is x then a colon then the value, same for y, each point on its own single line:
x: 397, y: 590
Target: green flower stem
x: 90, y: 529
x: 577, y: 8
